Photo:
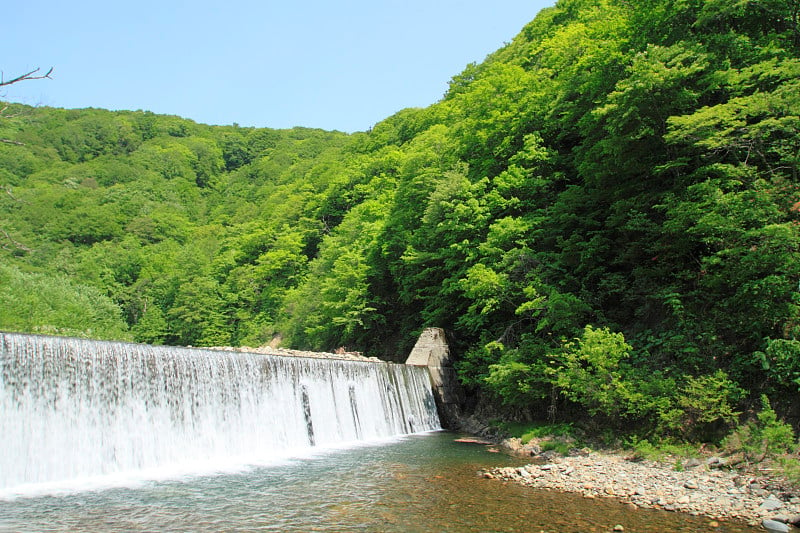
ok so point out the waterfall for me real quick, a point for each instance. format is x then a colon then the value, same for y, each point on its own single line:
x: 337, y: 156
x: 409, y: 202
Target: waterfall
x: 73, y: 408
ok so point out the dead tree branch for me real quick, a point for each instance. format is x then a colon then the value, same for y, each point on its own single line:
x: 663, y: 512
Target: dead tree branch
x: 13, y: 243
x: 32, y: 75
x: 7, y: 188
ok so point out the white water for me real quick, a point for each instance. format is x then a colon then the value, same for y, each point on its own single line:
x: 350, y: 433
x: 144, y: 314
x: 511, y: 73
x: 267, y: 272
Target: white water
x: 73, y: 409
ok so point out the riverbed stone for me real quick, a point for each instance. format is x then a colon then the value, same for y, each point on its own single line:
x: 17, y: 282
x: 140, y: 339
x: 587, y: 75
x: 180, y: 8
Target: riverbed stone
x: 771, y: 504
x: 773, y: 526
x: 692, y: 463
x: 717, y: 494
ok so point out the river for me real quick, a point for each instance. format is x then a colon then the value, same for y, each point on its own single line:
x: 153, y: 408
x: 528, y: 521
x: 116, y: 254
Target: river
x: 423, y: 482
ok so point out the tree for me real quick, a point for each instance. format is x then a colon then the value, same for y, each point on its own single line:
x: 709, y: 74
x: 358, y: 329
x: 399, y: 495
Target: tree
x: 31, y: 75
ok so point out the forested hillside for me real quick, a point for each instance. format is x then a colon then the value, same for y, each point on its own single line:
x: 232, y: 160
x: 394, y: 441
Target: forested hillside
x: 605, y: 214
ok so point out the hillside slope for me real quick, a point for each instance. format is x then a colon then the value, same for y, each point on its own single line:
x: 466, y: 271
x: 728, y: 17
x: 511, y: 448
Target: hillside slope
x: 604, y: 214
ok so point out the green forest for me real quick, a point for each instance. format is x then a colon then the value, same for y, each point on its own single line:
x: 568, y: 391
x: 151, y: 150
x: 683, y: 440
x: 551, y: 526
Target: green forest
x: 604, y: 215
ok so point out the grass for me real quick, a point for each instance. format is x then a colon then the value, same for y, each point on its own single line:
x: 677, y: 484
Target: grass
x: 537, y: 430
x: 659, y: 451
x: 559, y: 437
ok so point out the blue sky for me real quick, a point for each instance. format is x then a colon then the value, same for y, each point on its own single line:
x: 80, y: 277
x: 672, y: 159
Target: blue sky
x: 342, y: 65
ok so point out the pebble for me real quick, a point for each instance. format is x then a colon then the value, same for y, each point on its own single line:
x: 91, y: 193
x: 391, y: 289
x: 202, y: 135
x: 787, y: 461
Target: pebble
x: 717, y: 494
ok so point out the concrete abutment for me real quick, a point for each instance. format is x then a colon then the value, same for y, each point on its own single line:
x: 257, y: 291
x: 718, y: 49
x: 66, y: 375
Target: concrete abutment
x: 433, y: 352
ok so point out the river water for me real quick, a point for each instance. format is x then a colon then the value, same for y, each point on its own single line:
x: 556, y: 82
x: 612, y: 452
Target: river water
x: 417, y: 483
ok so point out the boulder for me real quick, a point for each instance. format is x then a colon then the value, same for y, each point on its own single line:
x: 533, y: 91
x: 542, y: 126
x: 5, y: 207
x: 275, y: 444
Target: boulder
x: 773, y: 526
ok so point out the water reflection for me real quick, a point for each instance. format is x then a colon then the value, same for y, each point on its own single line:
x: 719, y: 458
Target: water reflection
x: 422, y: 483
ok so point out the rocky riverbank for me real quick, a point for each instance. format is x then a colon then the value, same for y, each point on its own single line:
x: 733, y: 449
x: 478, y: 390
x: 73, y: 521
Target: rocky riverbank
x: 697, y: 487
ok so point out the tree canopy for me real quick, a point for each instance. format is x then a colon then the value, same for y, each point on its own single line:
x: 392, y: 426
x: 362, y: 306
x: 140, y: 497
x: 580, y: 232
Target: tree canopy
x: 607, y: 207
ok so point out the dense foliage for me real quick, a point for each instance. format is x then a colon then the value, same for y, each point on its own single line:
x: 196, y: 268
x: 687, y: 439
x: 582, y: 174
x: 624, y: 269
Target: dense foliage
x: 605, y: 214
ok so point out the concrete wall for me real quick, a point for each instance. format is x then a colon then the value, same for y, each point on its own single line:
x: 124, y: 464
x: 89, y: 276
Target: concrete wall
x: 432, y: 351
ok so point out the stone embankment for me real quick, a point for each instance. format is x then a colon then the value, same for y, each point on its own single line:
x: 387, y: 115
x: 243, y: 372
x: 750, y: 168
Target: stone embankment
x: 697, y: 487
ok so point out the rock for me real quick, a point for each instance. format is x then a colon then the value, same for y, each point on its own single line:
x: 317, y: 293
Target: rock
x: 734, y: 459
x: 692, y: 463
x: 724, y: 502
x: 771, y: 504
x: 619, y: 527
x: 716, y: 494
x: 773, y: 526
x: 532, y: 449
x: 740, y: 481
x: 580, y: 452
x: 794, y: 520
x: 550, y: 454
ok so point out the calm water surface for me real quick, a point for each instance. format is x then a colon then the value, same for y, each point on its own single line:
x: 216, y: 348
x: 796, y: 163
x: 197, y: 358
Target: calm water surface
x: 420, y: 483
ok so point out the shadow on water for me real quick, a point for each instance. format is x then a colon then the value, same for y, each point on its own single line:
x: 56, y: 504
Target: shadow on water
x: 421, y: 483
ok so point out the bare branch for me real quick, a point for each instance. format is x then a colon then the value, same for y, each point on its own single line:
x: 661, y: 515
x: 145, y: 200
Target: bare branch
x: 32, y: 75
x: 7, y: 188
x: 12, y: 243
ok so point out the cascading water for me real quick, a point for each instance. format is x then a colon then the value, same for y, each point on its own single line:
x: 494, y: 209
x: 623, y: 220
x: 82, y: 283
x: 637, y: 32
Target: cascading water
x: 72, y: 408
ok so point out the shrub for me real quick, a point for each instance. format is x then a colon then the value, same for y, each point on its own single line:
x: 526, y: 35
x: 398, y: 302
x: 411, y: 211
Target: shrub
x: 765, y: 436
x: 704, y: 407
x: 590, y: 374
x: 780, y: 361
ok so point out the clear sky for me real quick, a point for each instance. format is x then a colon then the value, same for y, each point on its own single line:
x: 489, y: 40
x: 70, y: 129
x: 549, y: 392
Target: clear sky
x: 342, y: 65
